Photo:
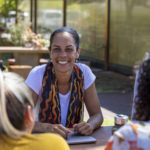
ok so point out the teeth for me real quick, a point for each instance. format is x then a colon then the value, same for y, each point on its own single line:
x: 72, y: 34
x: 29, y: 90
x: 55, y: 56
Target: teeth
x: 62, y: 62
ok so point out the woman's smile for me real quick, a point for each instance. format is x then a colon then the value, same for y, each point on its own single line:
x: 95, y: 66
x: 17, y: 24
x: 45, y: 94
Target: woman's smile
x: 62, y: 62
x: 63, y: 52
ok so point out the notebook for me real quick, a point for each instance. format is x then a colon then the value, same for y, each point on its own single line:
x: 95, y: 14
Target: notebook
x: 76, y: 138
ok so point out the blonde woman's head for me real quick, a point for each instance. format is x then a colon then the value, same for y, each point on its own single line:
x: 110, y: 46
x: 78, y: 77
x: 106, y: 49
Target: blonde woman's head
x: 16, y: 105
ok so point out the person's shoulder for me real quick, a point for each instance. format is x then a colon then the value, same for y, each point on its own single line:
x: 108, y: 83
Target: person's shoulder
x: 39, y: 68
x: 52, y: 140
x: 35, y: 77
x: 82, y: 66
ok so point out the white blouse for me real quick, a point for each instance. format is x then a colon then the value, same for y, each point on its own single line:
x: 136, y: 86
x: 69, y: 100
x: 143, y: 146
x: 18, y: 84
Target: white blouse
x: 34, y: 81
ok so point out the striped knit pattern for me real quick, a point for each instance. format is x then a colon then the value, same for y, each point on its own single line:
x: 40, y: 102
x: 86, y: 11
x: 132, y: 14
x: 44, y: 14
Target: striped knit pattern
x: 49, y: 103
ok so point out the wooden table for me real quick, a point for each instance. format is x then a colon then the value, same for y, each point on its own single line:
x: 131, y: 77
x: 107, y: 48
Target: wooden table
x: 102, y: 135
x: 25, y: 56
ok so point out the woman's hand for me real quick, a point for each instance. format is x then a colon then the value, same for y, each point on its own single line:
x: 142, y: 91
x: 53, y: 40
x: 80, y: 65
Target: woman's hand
x: 83, y: 128
x: 41, y: 127
x: 61, y: 130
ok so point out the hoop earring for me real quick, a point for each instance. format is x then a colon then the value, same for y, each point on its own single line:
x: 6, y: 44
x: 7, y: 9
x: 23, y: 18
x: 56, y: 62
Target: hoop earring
x: 77, y: 60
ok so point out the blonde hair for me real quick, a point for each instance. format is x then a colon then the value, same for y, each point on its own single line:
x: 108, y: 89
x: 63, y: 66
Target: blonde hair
x: 14, y: 98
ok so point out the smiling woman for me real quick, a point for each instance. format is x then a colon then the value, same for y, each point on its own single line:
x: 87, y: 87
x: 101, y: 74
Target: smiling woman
x: 61, y: 87
x: 63, y: 53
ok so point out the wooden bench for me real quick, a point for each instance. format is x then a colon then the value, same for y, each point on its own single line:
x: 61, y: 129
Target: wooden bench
x: 12, y: 61
x: 44, y: 61
x: 22, y: 70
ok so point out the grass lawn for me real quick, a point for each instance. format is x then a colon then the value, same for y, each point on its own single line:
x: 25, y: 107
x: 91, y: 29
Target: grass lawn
x: 108, y: 122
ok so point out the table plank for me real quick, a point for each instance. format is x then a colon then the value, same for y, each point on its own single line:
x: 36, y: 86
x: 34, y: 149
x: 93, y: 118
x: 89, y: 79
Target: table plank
x: 102, y: 135
x: 25, y: 56
x: 13, y: 49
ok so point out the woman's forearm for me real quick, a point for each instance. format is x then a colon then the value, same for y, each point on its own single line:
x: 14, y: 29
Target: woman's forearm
x: 40, y: 127
x: 96, y: 120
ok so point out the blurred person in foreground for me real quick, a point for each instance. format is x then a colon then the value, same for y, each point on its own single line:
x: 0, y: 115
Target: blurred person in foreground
x: 17, y: 118
x: 140, y: 83
x: 136, y: 134
x: 61, y: 88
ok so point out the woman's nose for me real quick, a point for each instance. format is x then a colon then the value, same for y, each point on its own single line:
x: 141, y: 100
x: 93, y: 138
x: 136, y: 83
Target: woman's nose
x: 63, y: 53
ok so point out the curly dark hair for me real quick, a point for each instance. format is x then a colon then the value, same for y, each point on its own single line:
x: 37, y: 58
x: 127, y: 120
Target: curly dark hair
x: 142, y: 100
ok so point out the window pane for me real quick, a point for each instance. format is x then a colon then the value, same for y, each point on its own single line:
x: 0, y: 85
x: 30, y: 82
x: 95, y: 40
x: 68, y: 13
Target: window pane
x: 88, y: 18
x: 130, y: 31
x: 49, y: 16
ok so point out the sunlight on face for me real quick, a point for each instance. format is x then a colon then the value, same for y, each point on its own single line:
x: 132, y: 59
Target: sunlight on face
x: 63, y: 52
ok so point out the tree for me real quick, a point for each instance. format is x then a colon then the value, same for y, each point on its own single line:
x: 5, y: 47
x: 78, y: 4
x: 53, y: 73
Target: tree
x: 9, y: 5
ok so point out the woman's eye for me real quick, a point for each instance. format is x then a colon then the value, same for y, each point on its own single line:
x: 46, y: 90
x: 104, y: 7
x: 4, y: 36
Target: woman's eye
x: 56, y: 50
x: 69, y: 50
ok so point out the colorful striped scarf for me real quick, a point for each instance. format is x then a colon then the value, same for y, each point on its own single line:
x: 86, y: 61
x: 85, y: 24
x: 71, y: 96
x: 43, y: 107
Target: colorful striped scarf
x: 50, y: 111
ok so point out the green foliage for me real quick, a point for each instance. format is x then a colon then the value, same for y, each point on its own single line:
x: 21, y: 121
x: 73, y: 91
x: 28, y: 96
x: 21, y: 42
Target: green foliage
x: 7, y: 5
x: 5, y: 57
x: 22, y: 35
x: 50, y: 4
x: 108, y: 122
x: 1, y: 2
x: 16, y: 32
x: 83, y: 1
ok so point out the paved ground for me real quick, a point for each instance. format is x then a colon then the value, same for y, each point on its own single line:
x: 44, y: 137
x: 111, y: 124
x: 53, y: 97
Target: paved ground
x: 116, y: 103
x: 115, y: 92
